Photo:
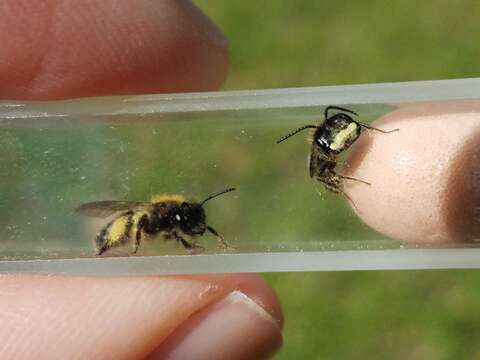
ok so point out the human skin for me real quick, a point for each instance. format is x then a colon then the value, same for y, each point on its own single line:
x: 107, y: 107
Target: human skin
x: 56, y: 50
x: 66, y: 49
x: 425, y: 178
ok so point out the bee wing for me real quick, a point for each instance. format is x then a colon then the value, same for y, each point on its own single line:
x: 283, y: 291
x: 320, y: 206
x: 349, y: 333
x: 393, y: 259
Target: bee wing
x: 102, y: 209
x: 310, y: 165
x: 314, y: 161
x: 319, y: 162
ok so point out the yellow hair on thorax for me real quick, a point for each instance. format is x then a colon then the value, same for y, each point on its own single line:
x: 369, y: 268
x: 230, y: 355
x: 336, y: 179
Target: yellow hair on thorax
x: 163, y: 197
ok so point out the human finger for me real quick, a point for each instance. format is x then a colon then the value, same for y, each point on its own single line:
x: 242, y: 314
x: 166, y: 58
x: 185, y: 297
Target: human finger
x: 425, y: 178
x: 125, y: 318
x: 56, y: 49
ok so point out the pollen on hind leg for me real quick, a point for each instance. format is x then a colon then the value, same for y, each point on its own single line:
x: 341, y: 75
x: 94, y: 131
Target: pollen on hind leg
x: 115, y: 233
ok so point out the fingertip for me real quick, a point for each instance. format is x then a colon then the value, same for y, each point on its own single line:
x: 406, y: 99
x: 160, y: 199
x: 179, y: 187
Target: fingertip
x: 56, y: 49
x: 245, y: 324
x: 94, y: 317
x: 130, y: 317
x: 425, y: 183
x: 235, y: 327
x: 461, y: 205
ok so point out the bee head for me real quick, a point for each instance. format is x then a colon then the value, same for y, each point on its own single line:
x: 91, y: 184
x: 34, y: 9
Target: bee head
x: 191, y: 218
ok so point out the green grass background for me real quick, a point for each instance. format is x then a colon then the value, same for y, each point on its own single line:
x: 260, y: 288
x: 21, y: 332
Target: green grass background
x: 355, y: 315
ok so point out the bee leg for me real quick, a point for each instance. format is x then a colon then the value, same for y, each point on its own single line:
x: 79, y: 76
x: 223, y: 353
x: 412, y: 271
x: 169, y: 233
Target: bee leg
x: 102, y: 241
x: 223, y: 243
x: 331, y: 107
x: 350, y: 200
x: 101, y: 250
x: 187, y: 244
x: 376, y: 129
x: 354, y: 179
x: 332, y: 183
x: 142, y: 224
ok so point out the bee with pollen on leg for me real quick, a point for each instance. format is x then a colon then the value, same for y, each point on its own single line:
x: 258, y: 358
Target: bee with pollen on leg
x: 170, y: 215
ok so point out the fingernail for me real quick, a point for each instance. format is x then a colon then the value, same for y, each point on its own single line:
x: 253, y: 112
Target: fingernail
x: 236, y: 327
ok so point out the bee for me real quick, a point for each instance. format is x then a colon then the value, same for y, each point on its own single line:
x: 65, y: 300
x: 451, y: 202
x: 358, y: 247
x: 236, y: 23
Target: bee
x: 335, y: 135
x: 170, y: 215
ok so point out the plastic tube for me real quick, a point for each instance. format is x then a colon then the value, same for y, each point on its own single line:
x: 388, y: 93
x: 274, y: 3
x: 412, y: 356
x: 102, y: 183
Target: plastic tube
x: 59, y: 155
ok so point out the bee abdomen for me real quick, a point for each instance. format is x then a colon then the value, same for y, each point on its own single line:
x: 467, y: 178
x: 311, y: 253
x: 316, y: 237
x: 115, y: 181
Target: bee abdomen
x: 114, y: 233
x: 101, y: 240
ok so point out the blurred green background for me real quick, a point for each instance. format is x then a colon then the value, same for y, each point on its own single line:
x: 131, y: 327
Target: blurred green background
x: 384, y: 315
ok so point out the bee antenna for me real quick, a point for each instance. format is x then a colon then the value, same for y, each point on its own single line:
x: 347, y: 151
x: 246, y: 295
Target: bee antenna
x: 328, y: 108
x: 296, y: 132
x: 217, y: 194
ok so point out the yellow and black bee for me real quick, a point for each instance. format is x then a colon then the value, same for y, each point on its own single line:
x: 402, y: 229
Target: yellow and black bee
x: 335, y: 135
x: 170, y: 215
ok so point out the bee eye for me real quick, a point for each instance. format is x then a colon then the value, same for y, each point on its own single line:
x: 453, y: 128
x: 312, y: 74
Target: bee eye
x: 178, y: 217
